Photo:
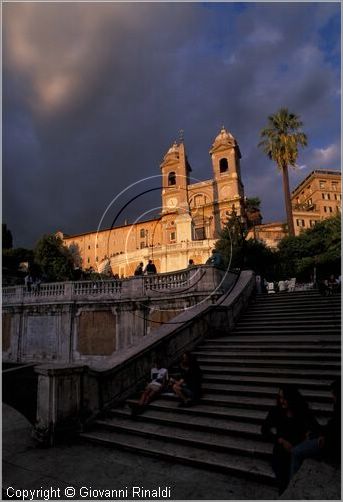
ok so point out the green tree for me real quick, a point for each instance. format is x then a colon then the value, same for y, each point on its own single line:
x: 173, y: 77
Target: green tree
x: 280, y: 142
x: 7, y: 239
x: 53, y: 259
x: 318, y: 247
x: 232, y: 241
x: 252, y: 211
x: 238, y: 252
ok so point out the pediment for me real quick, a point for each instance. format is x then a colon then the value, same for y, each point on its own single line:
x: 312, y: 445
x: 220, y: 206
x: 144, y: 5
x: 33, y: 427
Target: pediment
x: 222, y: 147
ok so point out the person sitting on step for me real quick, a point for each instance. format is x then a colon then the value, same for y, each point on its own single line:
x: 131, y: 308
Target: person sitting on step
x: 188, y: 386
x: 287, y: 424
x: 159, y: 378
x: 327, y: 445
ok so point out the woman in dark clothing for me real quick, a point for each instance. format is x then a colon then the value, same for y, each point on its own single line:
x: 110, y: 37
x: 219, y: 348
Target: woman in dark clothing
x: 188, y: 387
x: 328, y: 445
x: 287, y: 424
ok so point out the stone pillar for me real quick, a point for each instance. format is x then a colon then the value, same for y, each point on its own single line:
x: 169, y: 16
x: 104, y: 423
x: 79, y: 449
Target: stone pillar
x: 59, y: 402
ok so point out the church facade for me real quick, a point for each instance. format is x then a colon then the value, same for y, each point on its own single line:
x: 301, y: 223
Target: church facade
x: 192, y: 216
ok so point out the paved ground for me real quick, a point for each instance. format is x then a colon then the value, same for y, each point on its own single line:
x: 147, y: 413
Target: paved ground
x: 91, y: 468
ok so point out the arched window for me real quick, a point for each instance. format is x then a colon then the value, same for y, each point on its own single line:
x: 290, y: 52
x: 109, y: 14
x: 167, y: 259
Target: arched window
x: 223, y: 165
x: 171, y: 178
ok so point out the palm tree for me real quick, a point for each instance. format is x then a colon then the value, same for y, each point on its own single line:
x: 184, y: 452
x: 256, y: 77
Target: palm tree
x: 280, y: 141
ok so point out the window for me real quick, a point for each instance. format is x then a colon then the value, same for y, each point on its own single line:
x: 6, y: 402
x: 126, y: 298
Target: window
x: 322, y: 184
x: 312, y: 223
x: 338, y: 196
x: 310, y: 202
x: 334, y: 185
x: 300, y: 223
x: 142, y: 233
x: 223, y: 165
x: 198, y: 200
x: 142, y: 245
x: 172, y: 236
x: 89, y: 247
x: 171, y: 178
x: 338, y: 209
x: 327, y: 209
x: 88, y: 260
x: 326, y: 196
x: 200, y: 234
x: 96, y: 258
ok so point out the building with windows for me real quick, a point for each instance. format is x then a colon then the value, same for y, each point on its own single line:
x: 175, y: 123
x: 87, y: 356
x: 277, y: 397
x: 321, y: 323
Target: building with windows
x: 317, y: 197
x: 192, y: 216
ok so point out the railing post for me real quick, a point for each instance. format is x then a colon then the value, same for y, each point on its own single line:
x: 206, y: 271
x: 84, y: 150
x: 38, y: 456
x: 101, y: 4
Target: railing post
x: 19, y: 293
x: 59, y: 402
x: 68, y: 290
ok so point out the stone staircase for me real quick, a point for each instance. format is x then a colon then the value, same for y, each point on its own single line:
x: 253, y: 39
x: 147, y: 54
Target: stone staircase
x: 282, y: 338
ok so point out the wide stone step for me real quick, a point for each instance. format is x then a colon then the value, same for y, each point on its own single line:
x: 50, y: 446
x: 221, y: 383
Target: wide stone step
x: 286, y: 328
x: 151, y: 425
x: 297, y: 310
x: 272, y: 372
x: 272, y: 346
x: 322, y: 303
x: 275, y: 363
x: 227, y: 413
x: 285, y: 331
x: 289, y: 339
x: 315, y: 316
x: 255, y: 402
x: 263, y: 391
x: 295, y: 297
x: 246, y: 466
x: 168, y: 404
x: 296, y: 302
x: 272, y: 381
x: 262, y: 353
x: 289, y: 322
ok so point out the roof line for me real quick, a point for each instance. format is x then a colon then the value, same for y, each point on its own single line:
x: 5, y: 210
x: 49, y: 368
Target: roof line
x: 67, y: 236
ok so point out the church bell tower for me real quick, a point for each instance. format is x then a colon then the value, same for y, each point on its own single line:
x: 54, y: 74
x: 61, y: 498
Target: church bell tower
x: 228, y: 189
x: 176, y: 219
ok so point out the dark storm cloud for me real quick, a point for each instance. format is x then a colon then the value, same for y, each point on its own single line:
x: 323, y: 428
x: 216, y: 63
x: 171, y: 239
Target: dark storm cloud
x: 94, y: 94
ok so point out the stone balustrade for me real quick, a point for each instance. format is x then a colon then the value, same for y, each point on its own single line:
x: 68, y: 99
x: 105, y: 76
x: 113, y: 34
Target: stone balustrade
x: 84, y: 390
x: 199, y: 279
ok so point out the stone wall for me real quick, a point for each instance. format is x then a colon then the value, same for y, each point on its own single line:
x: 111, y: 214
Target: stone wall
x: 89, y: 322
x: 87, y: 390
x: 68, y: 393
x: 96, y: 333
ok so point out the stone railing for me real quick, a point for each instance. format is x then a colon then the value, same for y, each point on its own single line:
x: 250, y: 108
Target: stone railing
x: 9, y: 293
x: 49, y: 289
x: 167, y: 281
x: 198, y: 279
x: 97, y: 287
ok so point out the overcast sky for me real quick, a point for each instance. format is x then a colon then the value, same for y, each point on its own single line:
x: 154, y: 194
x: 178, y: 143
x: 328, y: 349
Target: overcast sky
x: 95, y: 93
